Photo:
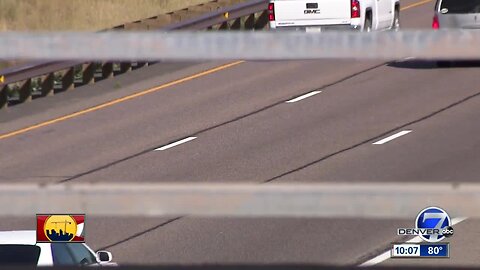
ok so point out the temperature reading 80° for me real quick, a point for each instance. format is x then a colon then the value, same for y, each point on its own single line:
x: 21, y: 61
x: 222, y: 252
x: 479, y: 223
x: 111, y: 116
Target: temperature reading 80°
x: 434, y: 250
x: 420, y: 250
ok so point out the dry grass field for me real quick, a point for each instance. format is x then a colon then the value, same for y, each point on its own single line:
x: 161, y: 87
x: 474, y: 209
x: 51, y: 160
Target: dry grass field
x: 81, y: 15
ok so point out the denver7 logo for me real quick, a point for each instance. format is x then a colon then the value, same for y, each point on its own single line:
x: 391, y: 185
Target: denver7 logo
x: 433, y: 218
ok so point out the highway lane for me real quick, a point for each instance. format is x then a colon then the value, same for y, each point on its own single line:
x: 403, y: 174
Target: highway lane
x: 98, y: 139
x: 441, y: 147
x: 260, y: 241
x: 274, y: 144
x: 258, y: 147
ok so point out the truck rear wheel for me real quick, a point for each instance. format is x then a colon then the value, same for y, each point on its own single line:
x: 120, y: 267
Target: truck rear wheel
x: 368, y: 25
x: 396, y: 20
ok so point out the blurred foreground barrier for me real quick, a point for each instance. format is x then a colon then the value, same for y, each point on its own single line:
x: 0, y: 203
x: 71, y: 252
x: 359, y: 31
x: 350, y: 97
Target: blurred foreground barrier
x: 284, y: 45
x: 360, y: 200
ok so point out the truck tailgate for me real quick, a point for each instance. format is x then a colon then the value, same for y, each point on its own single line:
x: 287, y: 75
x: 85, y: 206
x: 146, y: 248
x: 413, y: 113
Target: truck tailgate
x: 296, y: 11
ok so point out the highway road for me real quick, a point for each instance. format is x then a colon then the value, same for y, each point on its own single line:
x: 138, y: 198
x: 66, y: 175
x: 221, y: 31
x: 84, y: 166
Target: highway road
x: 262, y: 122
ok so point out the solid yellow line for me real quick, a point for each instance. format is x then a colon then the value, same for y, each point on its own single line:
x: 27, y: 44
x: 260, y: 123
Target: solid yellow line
x: 416, y: 4
x: 119, y: 100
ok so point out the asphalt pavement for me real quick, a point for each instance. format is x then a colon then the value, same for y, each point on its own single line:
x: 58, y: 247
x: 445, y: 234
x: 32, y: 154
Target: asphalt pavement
x: 262, y: 122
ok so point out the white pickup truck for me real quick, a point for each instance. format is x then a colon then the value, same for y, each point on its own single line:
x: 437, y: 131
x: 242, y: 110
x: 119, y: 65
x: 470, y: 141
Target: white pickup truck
x: 320, y: 15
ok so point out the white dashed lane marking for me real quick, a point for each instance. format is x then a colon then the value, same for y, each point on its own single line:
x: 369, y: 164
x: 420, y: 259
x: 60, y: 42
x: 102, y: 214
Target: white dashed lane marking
x: 304, y: 96
x: 165, y: 147
x: 393, y: 137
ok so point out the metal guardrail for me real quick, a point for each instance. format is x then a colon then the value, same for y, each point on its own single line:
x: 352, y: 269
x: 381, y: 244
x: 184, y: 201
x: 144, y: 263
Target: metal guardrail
x: 39, y: 79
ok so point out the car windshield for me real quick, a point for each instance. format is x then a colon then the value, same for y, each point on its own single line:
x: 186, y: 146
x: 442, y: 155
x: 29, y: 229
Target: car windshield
x: 19, y: 254
x: 461, y: 6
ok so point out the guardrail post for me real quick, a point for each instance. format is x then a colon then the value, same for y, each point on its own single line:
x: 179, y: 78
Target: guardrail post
x: 3, y: 96
x: 107, y: 70
x: 88, y: 75
x: 236, y: 25
x: 68, y: 79
x: 47, y: 85
x: 262, y: 21
x: 249, y: 23
x: 140, y: 65
x: 25, y: 93
x: 125, y: 67
x: 224, y: 26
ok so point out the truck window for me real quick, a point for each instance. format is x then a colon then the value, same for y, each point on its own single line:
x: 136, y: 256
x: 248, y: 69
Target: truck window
x: 461, y: 6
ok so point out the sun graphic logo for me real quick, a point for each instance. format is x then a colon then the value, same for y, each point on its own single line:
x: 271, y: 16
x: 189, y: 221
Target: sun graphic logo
x: 60, y: 228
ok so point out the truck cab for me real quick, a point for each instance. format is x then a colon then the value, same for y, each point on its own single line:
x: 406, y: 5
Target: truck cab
x: 320, y: 15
